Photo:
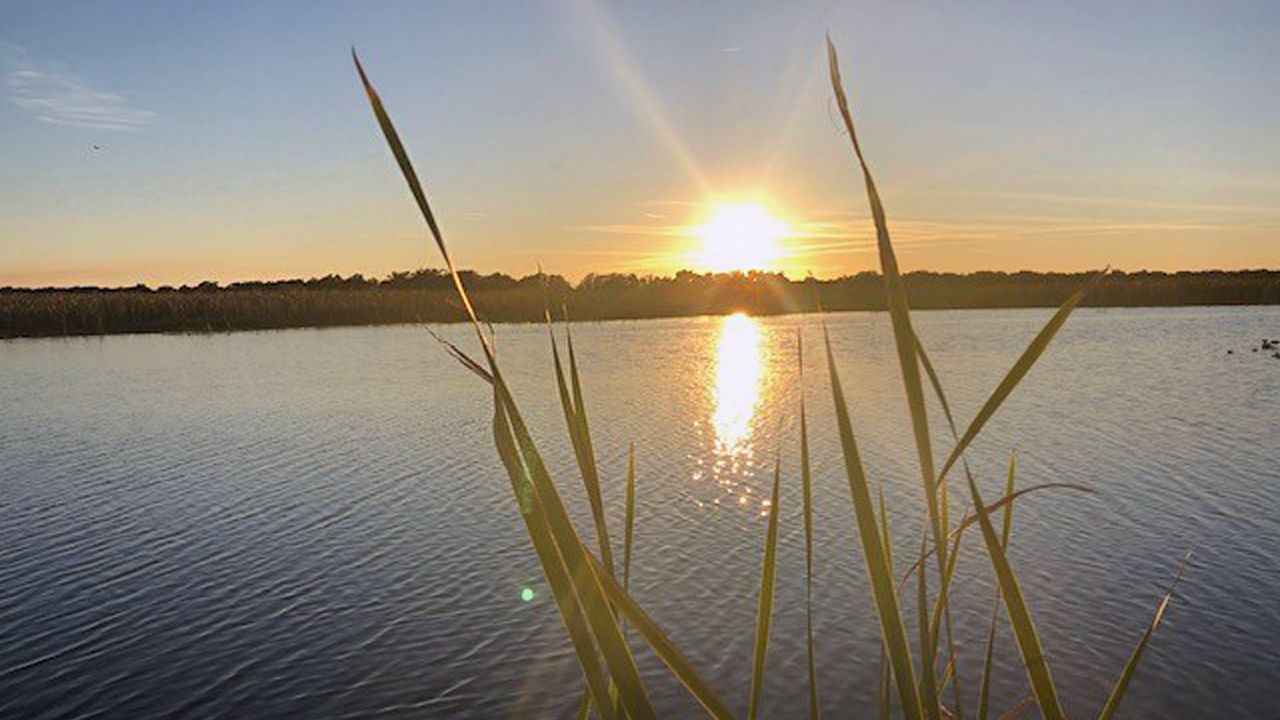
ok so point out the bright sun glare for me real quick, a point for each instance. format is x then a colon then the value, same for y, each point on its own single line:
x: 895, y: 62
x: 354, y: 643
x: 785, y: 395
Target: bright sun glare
x: 740, y: 236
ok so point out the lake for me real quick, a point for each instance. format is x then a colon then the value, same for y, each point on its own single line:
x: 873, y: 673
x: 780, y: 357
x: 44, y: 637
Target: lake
x: 314, y: 523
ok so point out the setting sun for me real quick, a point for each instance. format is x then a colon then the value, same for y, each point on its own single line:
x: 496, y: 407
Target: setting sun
x: 740, y: 236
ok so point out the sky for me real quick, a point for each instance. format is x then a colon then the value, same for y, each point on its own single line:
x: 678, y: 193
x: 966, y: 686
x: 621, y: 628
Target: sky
x: 170, y: 143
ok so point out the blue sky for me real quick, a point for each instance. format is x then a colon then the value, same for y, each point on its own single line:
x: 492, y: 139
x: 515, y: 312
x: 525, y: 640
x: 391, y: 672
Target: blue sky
x: 582, y: 135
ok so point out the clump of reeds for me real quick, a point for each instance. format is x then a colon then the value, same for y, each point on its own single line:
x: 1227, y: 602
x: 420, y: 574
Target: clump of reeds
x: 597, y: 608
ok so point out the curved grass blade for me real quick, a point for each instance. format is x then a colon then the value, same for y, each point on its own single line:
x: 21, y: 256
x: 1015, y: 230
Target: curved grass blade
x: 944, y: 506
x: 900, y: 315
x: 604, y: 626
x: 1020, y: 709
x: 764, y: 607
x: 884, y: 703
x: 552, y: 565
x: 806, y: 482
x: 984, y: 693
x: 928, y: 650
x: 1024, y: 630
x: 1122, y: 683
x: 662, y: 646
x: 879, y: 571
x: 970, y: 520
x: 1018, y: 371
x: 575, y: 417
x: 630, y: 523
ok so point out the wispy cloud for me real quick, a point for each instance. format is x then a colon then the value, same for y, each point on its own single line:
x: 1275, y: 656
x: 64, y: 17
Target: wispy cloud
x: 56, y: 96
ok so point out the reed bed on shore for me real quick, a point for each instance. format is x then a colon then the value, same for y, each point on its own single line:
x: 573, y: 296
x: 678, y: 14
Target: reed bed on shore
x: 919, y: 679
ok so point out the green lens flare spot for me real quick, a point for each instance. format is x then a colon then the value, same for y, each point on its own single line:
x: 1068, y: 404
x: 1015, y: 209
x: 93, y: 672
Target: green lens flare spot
x: 526, y: 594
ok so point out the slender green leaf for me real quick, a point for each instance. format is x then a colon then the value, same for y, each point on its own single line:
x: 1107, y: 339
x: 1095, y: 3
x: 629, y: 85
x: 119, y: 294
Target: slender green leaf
x: 1024, y: 630
x: 764, y: 606
x: 806, y: 482
x: 631, y: 516
x: 928, y: 650
x: 944, y: 506
x: 970, y: 520
x: 575, y: 418
x: 1126, y: 675
x: 604, y: 626
x: 879, y: 571
x: 585, y: 583
x: 884, y: 703
x: 984, y: 694
x: 552, y: 565
x: 900, y: 315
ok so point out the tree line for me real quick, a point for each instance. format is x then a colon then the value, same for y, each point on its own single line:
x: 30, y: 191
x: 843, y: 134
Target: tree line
x: 426, y: 295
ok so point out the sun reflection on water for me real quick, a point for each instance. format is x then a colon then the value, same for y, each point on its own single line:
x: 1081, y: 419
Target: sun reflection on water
x: 738, y: 379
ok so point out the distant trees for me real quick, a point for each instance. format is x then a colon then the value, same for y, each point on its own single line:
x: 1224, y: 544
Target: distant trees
x: 426, y: 295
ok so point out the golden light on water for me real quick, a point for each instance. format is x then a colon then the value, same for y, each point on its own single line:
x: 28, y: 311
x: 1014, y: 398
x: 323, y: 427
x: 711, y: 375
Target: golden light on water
x: 739, y: 377
x: 740, y: 236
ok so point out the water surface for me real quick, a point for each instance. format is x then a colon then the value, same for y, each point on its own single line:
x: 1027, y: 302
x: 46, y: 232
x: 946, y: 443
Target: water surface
x: 313, y: 523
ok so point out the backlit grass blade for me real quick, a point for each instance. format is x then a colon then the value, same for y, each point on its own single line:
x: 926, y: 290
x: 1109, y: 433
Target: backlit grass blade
x: 885, y: 700
x: 879, y: 571
x: 928, y: 650
x: 1122, y: 683
x: 662, y: 646
x: 604, y: 626
x: 1018, y: 371
x: 970, y: 520
x: 1020, y: 709
x: 1024, y: 630
x: 552, y: 565
x: 806, y: 482
x: 764, y: 606
x: 899, y: 312
x: 984, y: 693
x: 630, y: 523
x: 944, y: 510
x: 415, y: 187
x: 575, y: 417
x: 585, y: 583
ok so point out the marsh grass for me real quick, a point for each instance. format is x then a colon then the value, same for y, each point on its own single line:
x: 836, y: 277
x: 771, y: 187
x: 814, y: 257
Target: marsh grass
x: 599, y: 612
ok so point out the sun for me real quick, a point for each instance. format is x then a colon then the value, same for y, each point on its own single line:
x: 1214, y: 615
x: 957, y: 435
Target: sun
x: 740, y: 236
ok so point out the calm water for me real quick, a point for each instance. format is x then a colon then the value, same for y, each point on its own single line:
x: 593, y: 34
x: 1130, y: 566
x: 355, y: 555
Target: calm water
x: 312, y: 523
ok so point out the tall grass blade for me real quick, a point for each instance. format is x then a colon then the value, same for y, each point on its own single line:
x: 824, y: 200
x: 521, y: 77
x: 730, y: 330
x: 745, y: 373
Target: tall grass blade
x: 630, y: 522
x: 584, y: 581
x: 944, y: 510
x: 984, y: 693
x: 1020, y: 709
x: 884, y: 703
x: 1024, y: 630
x: 415, y: 187
x: 552, y: 565
x: 764, y: 607
x: 928, y: 654
x: 1122, y: 683
x: 604, y: 626
x: 806, y: 482
x: 879, y: 571
x: 575, y: 417
x: 899, y: 312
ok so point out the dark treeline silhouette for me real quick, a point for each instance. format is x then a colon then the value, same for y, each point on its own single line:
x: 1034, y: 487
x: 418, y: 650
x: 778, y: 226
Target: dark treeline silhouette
x: 427, y: 296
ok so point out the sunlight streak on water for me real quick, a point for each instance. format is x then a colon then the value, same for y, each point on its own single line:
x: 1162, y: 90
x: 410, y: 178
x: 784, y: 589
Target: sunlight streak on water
x: 738, y: 381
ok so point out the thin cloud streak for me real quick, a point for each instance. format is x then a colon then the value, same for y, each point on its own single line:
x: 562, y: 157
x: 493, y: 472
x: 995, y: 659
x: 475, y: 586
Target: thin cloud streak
x: 62, y: 98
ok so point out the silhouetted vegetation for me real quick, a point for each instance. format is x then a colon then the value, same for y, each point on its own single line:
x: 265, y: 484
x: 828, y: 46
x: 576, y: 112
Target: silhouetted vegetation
x: 428, y: 296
